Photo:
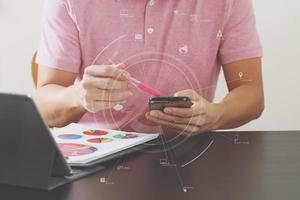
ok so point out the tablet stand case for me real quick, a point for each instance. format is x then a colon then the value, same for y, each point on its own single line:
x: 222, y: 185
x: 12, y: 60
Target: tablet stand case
x: 29, y: 156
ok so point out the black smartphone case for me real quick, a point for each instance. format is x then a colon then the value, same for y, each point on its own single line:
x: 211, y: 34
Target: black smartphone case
x: 159, y: 103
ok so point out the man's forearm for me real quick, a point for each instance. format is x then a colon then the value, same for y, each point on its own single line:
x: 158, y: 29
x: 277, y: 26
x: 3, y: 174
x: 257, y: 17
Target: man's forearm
x: 59, y: 105
x: 242, y: 105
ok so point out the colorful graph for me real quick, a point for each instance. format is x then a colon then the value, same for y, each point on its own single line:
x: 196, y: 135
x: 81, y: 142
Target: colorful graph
x: 100, y: 140
x: 72, y: 149
x: 69, y: 136
x: 125, y: 136
x: 95, y: 132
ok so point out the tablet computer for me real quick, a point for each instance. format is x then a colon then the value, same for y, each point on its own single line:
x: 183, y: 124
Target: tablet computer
x: 29, y: 154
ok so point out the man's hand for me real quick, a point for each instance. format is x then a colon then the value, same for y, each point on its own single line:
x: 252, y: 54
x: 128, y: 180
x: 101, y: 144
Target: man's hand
x: 201, y: 117
x: 104, y: 87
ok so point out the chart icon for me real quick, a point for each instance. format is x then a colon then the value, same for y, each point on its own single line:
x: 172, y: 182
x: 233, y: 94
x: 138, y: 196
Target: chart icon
x: 69, y: 136
x: 95, y: 132
x: 72, y: 149
x: 125, y: 136
x: 100, y: 140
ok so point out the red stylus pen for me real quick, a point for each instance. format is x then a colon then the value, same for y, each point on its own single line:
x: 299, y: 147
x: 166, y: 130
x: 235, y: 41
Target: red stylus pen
x: 144, y: 87
x: 140, y: 84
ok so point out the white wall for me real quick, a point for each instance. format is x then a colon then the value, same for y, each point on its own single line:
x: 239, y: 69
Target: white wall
x: 19, y: 35
x: 279, y: 27
x: 278, y: 24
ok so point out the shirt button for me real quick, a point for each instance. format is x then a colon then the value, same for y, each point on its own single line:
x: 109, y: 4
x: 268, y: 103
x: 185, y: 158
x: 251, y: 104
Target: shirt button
x: 150, y: 30
x: 151, y: 2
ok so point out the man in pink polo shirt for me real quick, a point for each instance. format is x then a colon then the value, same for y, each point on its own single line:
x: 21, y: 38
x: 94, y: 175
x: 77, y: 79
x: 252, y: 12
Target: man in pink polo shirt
x: 90, y: 49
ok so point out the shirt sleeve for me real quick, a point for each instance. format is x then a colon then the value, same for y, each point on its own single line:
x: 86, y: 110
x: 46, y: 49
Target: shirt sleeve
x: 240, y: 37
x: 59, y: 46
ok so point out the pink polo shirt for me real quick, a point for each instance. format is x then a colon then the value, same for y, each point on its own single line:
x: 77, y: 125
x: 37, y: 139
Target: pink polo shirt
x: 171, y: 45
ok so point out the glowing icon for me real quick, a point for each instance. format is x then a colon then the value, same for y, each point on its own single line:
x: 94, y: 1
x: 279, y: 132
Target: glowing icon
x: 241, y: 75
x: 124, y: 13
x: 185, y: 189
x: 164, y: 161
x: 150, y: 30
x: 220, y: 35
x: 138, y: 36
x: 121, y: 167
x: 102, y: 180
x: 237, y: 140
x: 183, y: 49
x: 105, y: 181
x: 118, y: 107
x: 151, y: 2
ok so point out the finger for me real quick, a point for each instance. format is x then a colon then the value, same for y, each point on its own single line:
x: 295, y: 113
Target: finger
x: 195, y: 121
x: 96, y: 106
x: 109, y: 84
x: 194, y: 110
x: 200, y: 130
x: 192, y: 94
x: 120, y: 66
x: 179, y: 120
x: 106, y: 95
x: 108, y: 105
x: 107, y: 71
x: 187, y: 130
x: 166, y: 123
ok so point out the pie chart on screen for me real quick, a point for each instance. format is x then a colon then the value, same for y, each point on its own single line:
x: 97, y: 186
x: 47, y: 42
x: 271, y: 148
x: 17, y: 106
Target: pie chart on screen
x: 69, y: 136
x: 72, y: 149
x: 100, y: 140
x: 125, y: 136
x: 95, y: 132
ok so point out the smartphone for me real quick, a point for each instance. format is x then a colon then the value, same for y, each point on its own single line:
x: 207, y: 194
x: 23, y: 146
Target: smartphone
x: 159, y: 103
